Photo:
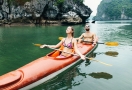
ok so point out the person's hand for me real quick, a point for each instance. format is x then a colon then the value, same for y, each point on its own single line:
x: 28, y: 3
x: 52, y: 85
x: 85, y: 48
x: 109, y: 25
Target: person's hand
x: 83, y: 57
x: 42, y: 46
x: 94, y: 44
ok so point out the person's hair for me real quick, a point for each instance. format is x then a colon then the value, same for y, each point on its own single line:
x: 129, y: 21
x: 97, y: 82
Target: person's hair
x: 72, y: 30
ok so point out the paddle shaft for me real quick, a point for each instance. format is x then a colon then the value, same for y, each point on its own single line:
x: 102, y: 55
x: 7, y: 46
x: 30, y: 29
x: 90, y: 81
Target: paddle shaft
x: 62, y: 51
x: 105, y: 43
x: 93, y: 42
x: 75, y: 55
x: 78, y: 55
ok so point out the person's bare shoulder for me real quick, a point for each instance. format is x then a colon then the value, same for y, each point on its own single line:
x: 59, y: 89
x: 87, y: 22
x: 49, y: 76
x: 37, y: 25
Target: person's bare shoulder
x: 74, y: 39
x: 82, y: 34
x: 92, y: 33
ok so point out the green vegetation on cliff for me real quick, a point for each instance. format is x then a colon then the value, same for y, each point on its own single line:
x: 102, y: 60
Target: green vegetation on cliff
x: 113, y: 9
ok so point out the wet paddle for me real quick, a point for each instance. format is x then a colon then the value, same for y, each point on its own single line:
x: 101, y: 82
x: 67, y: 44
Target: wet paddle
x: 76, y: 55
x: 106, y: 43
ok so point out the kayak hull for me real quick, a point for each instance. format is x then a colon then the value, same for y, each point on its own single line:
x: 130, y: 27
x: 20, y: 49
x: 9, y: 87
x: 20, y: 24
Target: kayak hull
x: 40, y: 70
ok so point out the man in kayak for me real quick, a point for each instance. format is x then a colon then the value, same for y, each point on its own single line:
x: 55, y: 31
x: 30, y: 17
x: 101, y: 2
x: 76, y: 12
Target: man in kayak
x: 69, y: 45
x: 87, y: 37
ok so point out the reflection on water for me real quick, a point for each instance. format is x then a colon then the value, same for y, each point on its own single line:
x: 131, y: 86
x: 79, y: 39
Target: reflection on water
x: 124, y: 33
x: 126, y: 27
x: 87, y: 62
x: 99, y: 75
x: 66, y: 79
x: 92, y: 55
x: 109, y: 53
x: 112, y: 53
x: 63, y: 81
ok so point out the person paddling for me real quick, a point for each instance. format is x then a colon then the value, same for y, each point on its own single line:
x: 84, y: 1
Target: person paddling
x: 87, y: 37
x: 69, y: 43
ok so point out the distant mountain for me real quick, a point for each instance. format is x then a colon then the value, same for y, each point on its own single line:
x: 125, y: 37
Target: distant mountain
x: 114, y: 10
x: 90, y: 19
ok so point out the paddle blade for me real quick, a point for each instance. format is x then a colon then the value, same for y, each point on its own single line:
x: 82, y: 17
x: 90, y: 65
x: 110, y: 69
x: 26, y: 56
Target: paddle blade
x: 111, y: 43
x: 60, y: 38
x: 37, y: 44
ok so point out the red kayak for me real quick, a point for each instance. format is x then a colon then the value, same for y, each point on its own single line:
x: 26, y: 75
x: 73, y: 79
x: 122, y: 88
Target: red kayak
x: 41, y: 70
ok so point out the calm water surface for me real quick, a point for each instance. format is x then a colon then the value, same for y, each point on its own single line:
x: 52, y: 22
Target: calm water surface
x: 16, y: 50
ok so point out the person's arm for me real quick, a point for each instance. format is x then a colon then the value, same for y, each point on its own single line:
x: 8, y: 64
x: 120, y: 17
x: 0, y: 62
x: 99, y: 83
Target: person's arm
x: 53, y: 46
x: 94, y: 38
x: 77, y: 51
x: 81, y: 36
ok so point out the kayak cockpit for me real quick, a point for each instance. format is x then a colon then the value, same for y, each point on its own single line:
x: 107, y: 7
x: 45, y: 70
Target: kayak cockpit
x: 55, y: 55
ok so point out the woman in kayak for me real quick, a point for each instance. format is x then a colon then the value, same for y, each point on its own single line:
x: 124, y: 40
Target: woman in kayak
x: 69, y: 43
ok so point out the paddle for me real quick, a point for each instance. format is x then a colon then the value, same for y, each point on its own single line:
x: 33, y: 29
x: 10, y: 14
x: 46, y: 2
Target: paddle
x: 76, y: 55
x: 106, y: 43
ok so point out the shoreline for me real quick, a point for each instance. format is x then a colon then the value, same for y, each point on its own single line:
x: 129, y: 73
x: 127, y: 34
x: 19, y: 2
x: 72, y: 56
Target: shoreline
x: 42, y: 23
x: 27, y: 24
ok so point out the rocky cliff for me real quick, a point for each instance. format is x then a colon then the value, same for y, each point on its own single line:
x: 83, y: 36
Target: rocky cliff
x: 114, y: 10
x: 43, y: 11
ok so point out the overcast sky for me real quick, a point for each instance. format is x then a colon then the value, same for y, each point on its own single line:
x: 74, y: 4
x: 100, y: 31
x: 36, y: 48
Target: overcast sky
x: 93, y: 4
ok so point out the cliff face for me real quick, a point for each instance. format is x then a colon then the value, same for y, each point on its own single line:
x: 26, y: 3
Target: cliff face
x: 114, y: 10
x: 43, y: 11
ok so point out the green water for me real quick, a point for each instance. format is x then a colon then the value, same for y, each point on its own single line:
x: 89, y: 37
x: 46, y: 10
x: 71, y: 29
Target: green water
x: 16, y: 50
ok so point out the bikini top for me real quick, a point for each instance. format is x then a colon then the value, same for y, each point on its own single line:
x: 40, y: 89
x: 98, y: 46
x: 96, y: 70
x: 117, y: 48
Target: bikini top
x: 69, y: 45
